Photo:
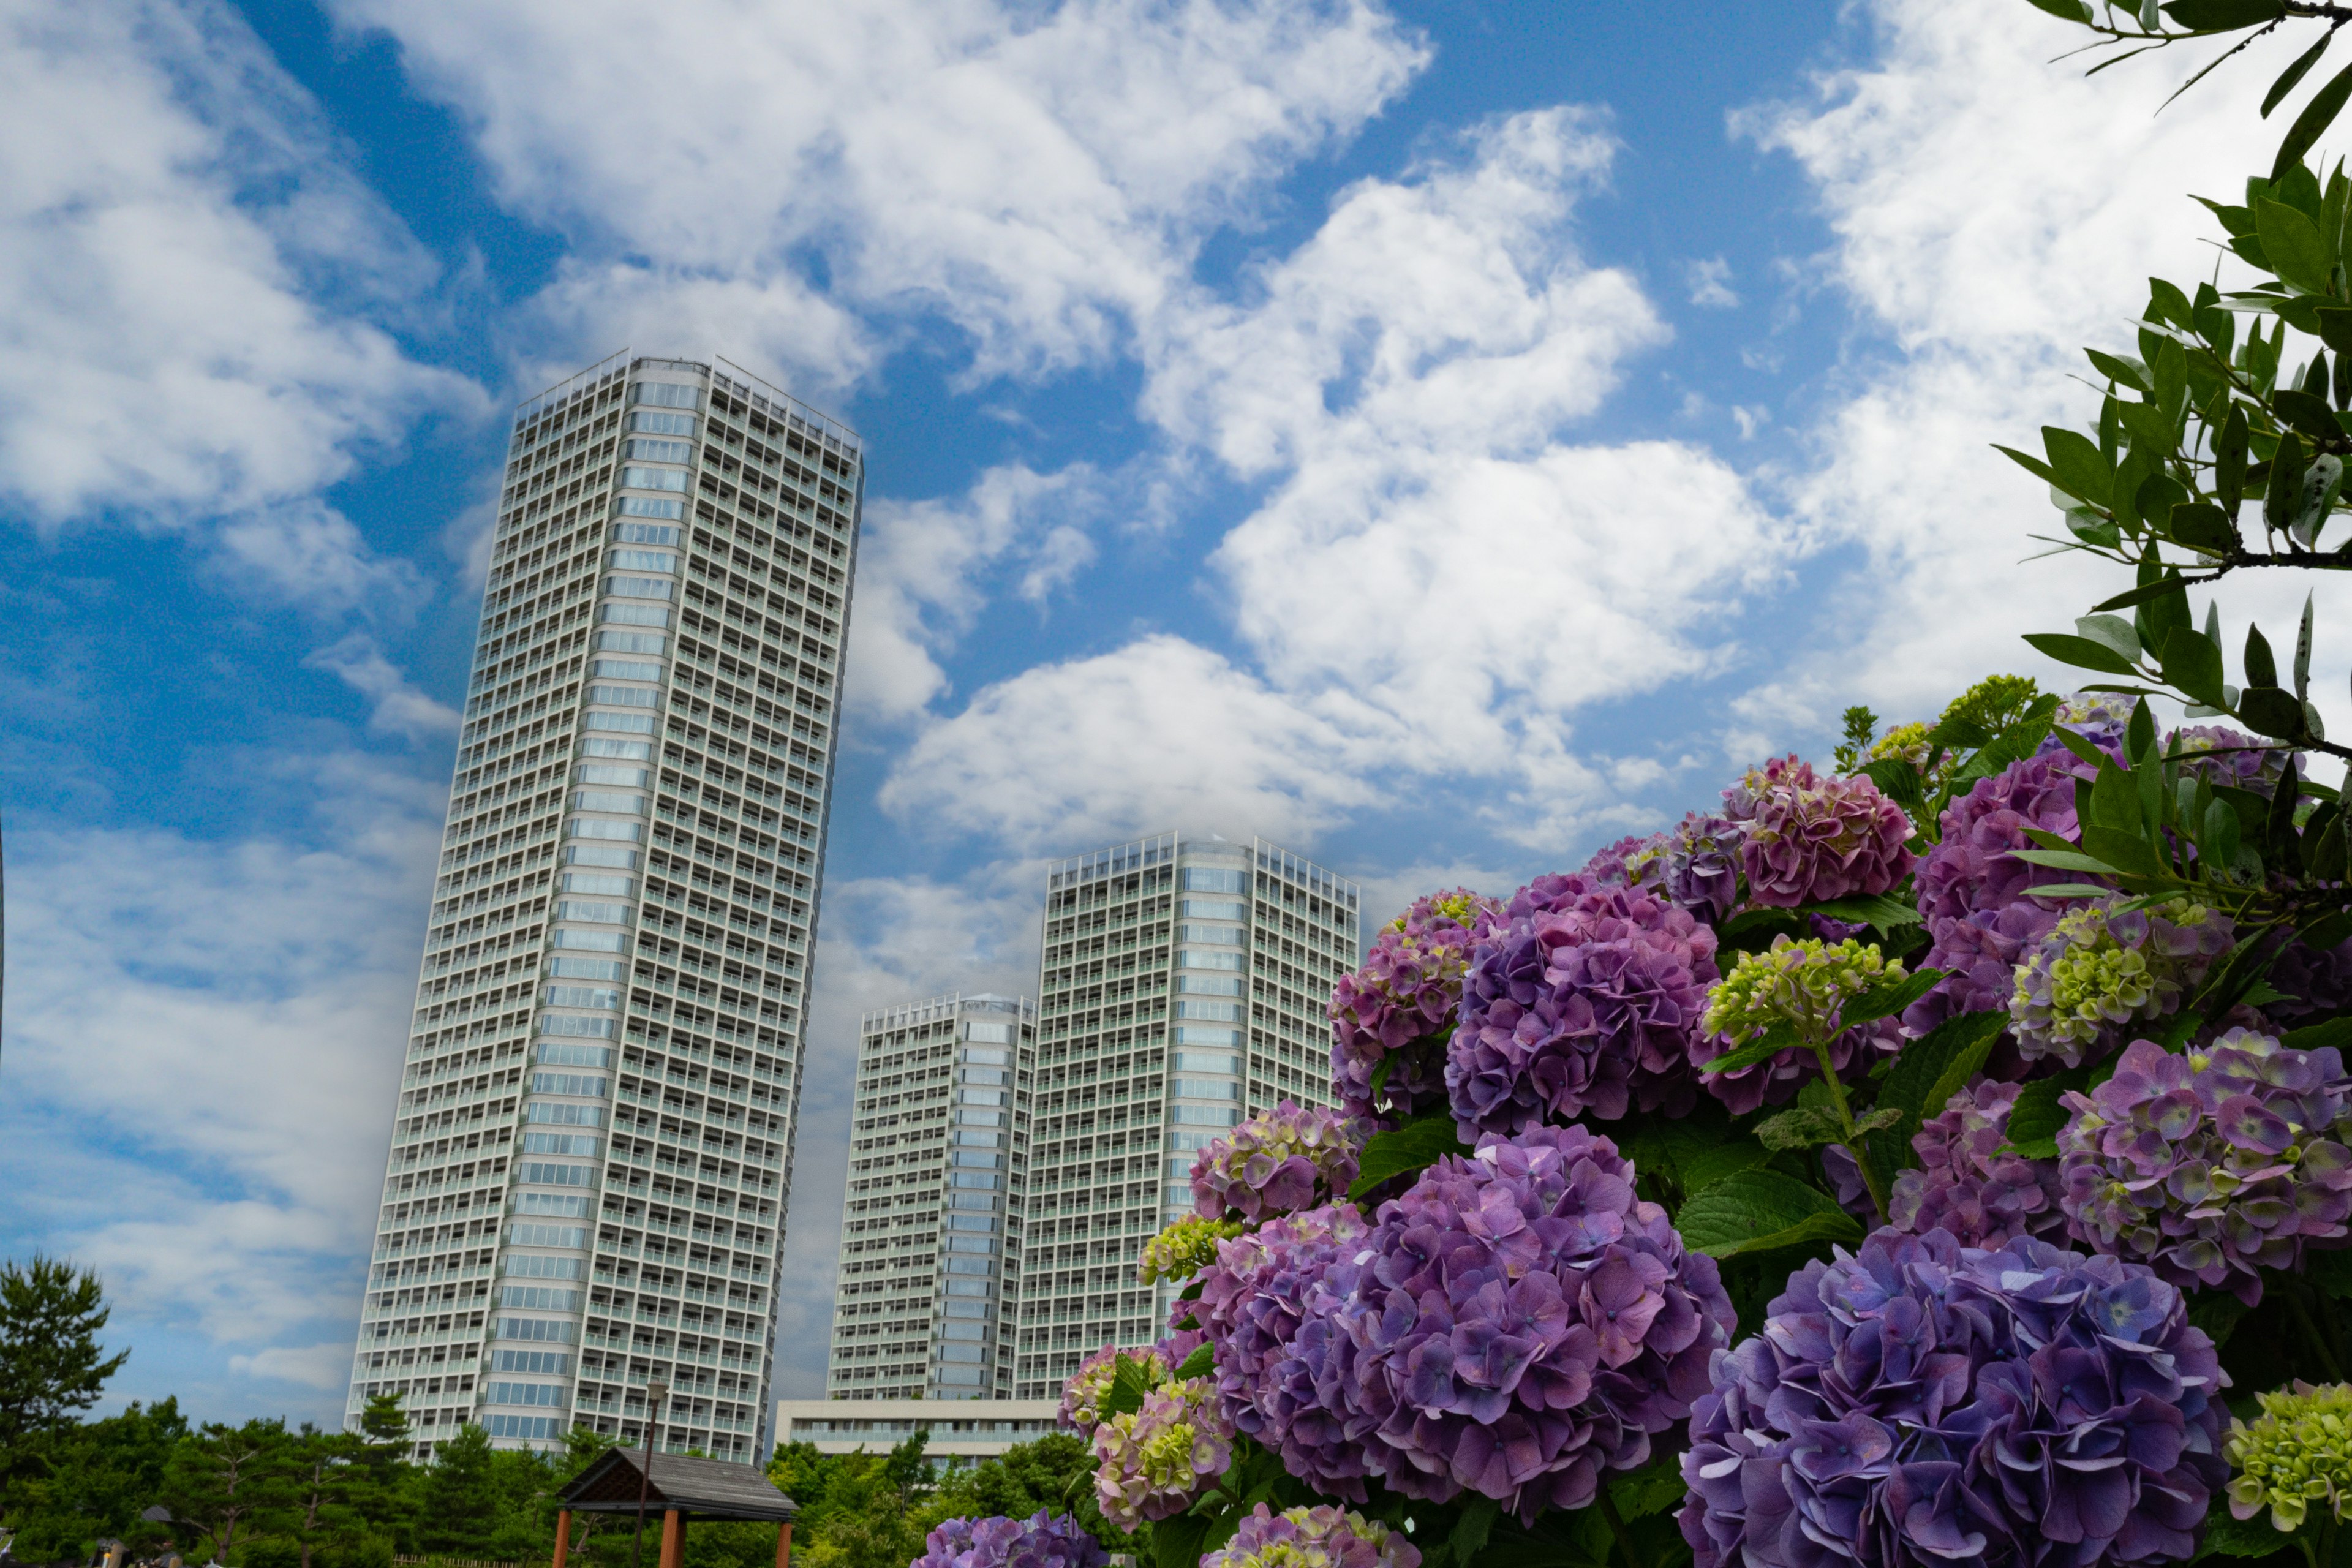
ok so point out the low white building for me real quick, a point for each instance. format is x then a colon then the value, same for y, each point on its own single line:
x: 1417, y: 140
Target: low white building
x: 964, y: 1431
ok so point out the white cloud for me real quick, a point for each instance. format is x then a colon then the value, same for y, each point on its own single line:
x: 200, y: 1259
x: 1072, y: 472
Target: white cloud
x: 400, y: 708
x: 1034, y: 175
x: 224, y: 1023
x: 324, y: 1366
x: 1710, y: 283
x: 188, y: 279
x: 1994, y: 212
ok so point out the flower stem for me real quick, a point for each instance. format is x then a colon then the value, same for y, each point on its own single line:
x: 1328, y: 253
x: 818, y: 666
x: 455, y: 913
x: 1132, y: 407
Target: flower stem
x: 1852, y: 1139
x: 1617, y: 1528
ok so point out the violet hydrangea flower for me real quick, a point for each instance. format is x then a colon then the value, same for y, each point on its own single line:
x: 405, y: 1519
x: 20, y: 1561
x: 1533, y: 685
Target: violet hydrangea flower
x: 1967, y: 1186
x: 1401, y: 1005
x: 2211, y: 1166
x: 1699, y: 867
x: 1519, y: 1323
x: 2102, y: 969
x: 1262, y: 1307
x: 1278, y: 1161
x: 1042, y: 1541
x: 1919, y: 1401
x: 1808, y: 838
x: 1583, y: 1002
x: 1631, y: 861
x: 1153, y: 1463
x: 1319, y: 1537
x: 1083, y: 1394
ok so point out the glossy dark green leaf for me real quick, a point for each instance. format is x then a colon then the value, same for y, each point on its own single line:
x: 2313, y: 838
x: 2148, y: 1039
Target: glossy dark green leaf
x: 1414, y: 1146
x: 1759, y: 1211
x: 2294, y: 73
x: 2334, y: 1033
x: 1883, y: 911
x: 2125, y: 372
x: 2223, y: 15
x: 1898, y: 779
x: 2065, y: 10
x: 2229, y: 459
x: 2282, y: 846
x: 2201, y: 525
x: 2292, y: 242
x: 1200, y: 1364
x: 1775, y: 1039
x: 2307, y: 413
x: 2034, y: 466
x: 1889, y: 997
x: 1927, y: 1073
x: 2312, y: 123
x: 2270, y: 711
x: 2076, y: 464
x: 2279, y: 496
x: 2081, y: 652
x: 2036, y: 1117
x: 2193, y: 664
x: 2262, y: 669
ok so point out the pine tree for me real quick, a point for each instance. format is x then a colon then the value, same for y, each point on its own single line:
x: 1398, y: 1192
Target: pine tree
x: 51, y: 1364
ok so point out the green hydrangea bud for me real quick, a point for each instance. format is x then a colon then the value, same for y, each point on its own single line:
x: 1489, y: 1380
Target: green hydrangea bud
x: 1804, y: 985
x: 1184, y: 1248
x: 2297, y: 1453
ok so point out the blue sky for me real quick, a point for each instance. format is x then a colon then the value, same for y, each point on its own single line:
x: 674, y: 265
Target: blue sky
x: 1439, y: 436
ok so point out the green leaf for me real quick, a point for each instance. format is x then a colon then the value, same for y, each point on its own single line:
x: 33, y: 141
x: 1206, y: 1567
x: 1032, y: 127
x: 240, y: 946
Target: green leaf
x: 2297, y: 254
x: 1200, y: 1364
x: 2035, y: 465
x: 1470, y: 1532
x: 1414, y: 1146
x: 2227, y: 1535
x: 1804, y: 1128
x: 2139, y: 595
x: 2229, y: 455
x: 2065, y: 10
x: 2064, y: 861
x: 2113, y: 630
x: 2262, y: 669
x: 2081, y: 652
x: 2123, y: 849
x: 2191, y: 663
x: 1129, y: 1384
x: 1178, y: 1542
x: 2128, y: 372
x: 1883, y: 910
x: 2303, y: 653
x: 2294, y: 73
x: 1775, y: 1039
x: 1655, y: 1488
x: 1757, y: 1210
x: 2329, y: 1271
x: 2076, y: 464
x: 1889, y: 997
x: 2217, y: 1312
x: 1953, y: 1051
x: 2223, y: 15
x: 1898, y: 779
x: 2270, y: 711
x: 2280, y: 494
x: 2312, y: 123
x: 2035, y: 1119
x: 2335, y: 1032
x: 2201, y: 525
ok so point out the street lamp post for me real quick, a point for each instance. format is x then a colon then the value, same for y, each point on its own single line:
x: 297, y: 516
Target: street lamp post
x: 656, y: 1391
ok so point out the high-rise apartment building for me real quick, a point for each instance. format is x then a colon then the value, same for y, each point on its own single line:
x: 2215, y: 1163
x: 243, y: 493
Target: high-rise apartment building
x: 931, y: 1220
x: 593, y: 1142
x: 1185, y: 984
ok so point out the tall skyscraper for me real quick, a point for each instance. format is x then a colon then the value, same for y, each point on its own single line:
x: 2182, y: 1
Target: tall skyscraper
x: 592, y: 1147
x: 931, y: 1220
x: 1185, y: 985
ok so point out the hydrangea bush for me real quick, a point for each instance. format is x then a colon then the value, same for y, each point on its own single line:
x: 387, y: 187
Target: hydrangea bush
x: 1321, y: 1537
x: 1043, y: 1540
x: 1278, y: 1161
x: 1391, y: 1015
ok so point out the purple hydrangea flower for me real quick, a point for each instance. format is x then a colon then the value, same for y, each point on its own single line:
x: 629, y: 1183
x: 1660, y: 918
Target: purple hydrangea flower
x: 1401, y: 1005
x: 2237, y: 759
x: 1699, y: 867
x: 1259, y: 1306
x: 1322, y: 1537
x: 2211, y: 1166
x: 2104, y: 969
x: 1082, y: 1395
x: 2098, y: 717
x: 1808, y: 838
x: 1153, y: 1463
x: 2316, y: 981
x: 1967, y: 1187
x: 1582, y: 1002
x: 1042, y: 1541
x: 1518, y: 1323
x: 1278, y: 1161
x: 1920, y: 1402
x: 1975, y: 894
x: 1630, y: 862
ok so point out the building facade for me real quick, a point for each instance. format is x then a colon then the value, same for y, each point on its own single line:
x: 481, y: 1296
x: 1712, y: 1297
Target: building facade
x: 592, y: 1147
x: 1186, y: 984
x: 963, y: 1431
x: 931, y: 1219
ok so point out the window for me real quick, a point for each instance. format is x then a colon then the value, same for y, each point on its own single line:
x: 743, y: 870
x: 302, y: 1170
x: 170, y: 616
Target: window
x: 635, y: 615
x: 566, y: 1083
x: 542, y: 1427
x: 638, y: 587
x: 581, y: 910
x: 644, y: 561
x: 629, y: 724
x: 589, y: 882
x: 986, y: 1075
x: 548, y: 1234
x: 565, y: 1116
x: 1188, y: 958
x: 526, y: 1394
x: 645, y: 532
x: 608, y: 800
x: 983, y: 1096
x: 1209, y: 1115
x: 591, y: 941
x: 605, y: 774
x: 664, y: 394
x: 652, y: 478
x: 534, y: 1328
x: 989, y: 1034
x: 623, y: 669
x: 555, y: 1053
x: 636, y: 751
x: 657, y: 451
x: 582, y: 969
x: 1205, y: 1088
x: 1229, y: 1011
x: 646, y: 422
x: 1207, y: 1061
x: 1198, y: 1034
x: 582, y: 996
x: 1211, y: 908
x: 629, y: 832
x: 1209, y: 880
x: 600, y: 855
x: 1228, y: 936
x: 646, y: 506
x: 539, y: 1297
x: 630, y: 642
x: 579, y: 1028
x: 1209, y: 985
x: 576, y: 1144
x: 547, y: 1364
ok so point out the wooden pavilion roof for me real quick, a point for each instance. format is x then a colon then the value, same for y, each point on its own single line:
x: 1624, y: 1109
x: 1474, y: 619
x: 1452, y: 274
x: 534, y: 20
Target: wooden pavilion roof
x: 705, y: 1488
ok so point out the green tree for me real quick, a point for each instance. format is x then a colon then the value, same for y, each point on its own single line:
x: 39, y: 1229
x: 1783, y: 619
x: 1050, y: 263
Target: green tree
x: 100, y: 1478
x: 457, y: 1496
x: 382, y: 1479
x: 1055, y: 1473
x: 323, y: 1484
x: 230, y: 1483
x: 51, y: 1363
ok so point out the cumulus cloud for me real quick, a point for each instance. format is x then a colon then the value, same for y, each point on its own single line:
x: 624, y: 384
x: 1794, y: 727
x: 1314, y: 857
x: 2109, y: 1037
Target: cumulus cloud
x: 1036, y: 176
x: 1710, y: 283
x: 190, y: 286
x: 400, y: 708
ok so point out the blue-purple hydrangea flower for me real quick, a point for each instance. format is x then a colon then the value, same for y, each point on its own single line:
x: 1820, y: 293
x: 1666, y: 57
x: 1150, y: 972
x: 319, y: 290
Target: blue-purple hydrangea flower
x: 1278, y: 1161
x: 2213, y: 1165
x: 1967, y: 1185
x: 1083, y: 1392
x: 1516, y: 1324
x: 2104, y: 968
x: 1263, y: 1308
x: 1583, y: 1002
x: 1698, y: 867
x: 1042, y: 1541
x: 1319, y: 1537
x: 1401, y: 1005
x: 1806, y: 838
x: 1920, y: 1402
